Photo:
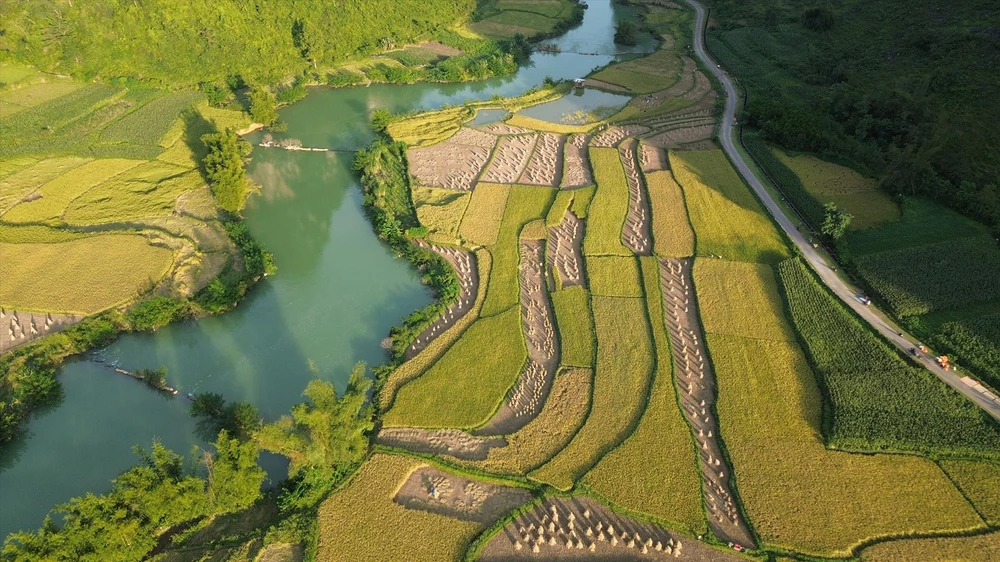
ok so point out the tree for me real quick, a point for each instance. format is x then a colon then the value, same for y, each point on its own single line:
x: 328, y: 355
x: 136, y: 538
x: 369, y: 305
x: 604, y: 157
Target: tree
x: 261, y: 106
x: 836, y: 221
x: 224, y: 167
x: 520, y: 47
x: 234, y: 477
x: 818, y: 19
x: 380, y: 120
x: 625, y: 33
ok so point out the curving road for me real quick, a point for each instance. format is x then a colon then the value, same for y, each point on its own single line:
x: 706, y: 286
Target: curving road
x: 847, y: 293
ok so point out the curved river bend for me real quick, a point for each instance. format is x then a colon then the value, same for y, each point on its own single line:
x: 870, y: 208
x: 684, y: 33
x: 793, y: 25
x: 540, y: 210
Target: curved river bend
x: 337, y: 292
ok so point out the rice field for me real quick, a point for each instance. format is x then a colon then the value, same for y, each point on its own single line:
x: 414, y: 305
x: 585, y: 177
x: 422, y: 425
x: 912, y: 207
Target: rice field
x: 728, y: 221
x: 978, y: 548
x: 440, y: 210
x: 37, y: 234
x: 671, y: 230
x: 81, y: 276
x: 149, y: 190
x: 654, y: 72
x: 148, y: 124
x: 481, y: 220
x: 980, y: 482
x: 606, y: 214
x: 17, y: 185
x: 614, y: 276
x: 560, y: 206
x: 740, y: 299
x: 576, y: 326
x: 467, y: 384
x: 388, y: 531
x: 27, y: 96
x: 655, y: 470
x: 624, y: 369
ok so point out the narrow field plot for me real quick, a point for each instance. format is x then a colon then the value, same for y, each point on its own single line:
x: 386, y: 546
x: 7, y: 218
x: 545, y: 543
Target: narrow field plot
x: 429, y: 128
x: 728, y: 221
x: 523, y: 121
x: 923, y: 222
x: 621, y: 383
x: 468, y: 382
x: 614, y: 276
x: 447, y: 164
x: 740, y: 299
x: 138, y: 194
x: 546, y: 163
x: 50, y: 201
x: 608, y: 208
x: 576, y: 163
x: 80, y: 276
x: 536, y: 22
x: 671, y: 230
x: 221, y: 119
x: 494, y: 29
x: 440, y: 210
x: 980, y: 482
x: 576, y: 326
x: 851, y: 191
x: 510, y: 159
x: 389, y: 531
x: 150, y: 122
x: 21, y: 98
x: 933, y: 277
x: 22, y: 234
x: 645, y: 75
x: 54, y: 114
x: 792, y: 487
x: 544, y: 436
x: 16, y: 186
x: 560, y: 206
x: 481, y: 221
x: 979, y: 548
x: 655, y: 470
x: 524, y: 204
x: 548, y: 8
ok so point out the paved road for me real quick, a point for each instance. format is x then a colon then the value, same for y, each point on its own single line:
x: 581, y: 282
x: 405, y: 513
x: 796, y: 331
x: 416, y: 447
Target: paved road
x: 847, y: 293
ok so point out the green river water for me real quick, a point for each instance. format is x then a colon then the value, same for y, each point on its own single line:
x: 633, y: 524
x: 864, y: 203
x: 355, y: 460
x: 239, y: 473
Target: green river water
x: 337, y: 292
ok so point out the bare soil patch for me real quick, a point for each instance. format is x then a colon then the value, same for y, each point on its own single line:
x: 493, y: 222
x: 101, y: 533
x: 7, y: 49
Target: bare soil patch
x: 452, y: 442
x: 613, y: 135
x: 464, y: 264
x: 505, y: 129
x: 19, y: 328
x: 696, y: 387
x: 683, y: 136
x: 510, y: 158
x: 698, y: 145
x: 545, y: 166
x: 474, y: 137
x: 652, y: 158
x: 580, y: 528
x: 635, y: 234
x: 439, y: 48
x: 436, y: 491
x: 576, y: 165
x: 564, y: 252
x: 524, y: 401
x: 702, y: 85
x: 450, y: 164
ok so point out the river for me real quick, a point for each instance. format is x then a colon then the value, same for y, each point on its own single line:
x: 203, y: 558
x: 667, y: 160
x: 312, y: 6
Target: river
x: 337, y: 292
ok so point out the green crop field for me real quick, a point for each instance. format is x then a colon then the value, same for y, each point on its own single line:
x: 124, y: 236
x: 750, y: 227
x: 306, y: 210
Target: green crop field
x: 58, y: 194
x: 671, y: 230
x: 388, y: 530
x: 53, y: 115
x: 440, y: 210
x: 728, y: 221
x: 923, y: 222
x: 621, y: 383
x: 931, y: 277
x: 976, y: 343
x: 148, y: 124
x: 614, y: 276
x: 980, y: 482
x: 741, y: 299
x: 560, y: 206
x: 793, y: 488
x: 576, y: 326
x: 481, y: 221
x: 608, y: 208
x: 524, y: 204
x: 37, y: 234
x: 16, y: 186
x: 849, y: 190
x: 548, y: 8
x: 79, y: 276
x: 655, y: 470
x: 654, y: 72
x: 979, y: 548
x: 877, y: 401
x: 465, y: 386
x: 26, y: 97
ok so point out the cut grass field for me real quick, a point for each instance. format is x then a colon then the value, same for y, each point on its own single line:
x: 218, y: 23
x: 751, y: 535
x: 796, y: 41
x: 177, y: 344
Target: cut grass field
x: 671, y: 229
x: 608, y: 207
x: 728, y: 221
x: 652, y: 73
x: 440, y: 210
x: 614, y: 276
x: 388, y: 531
x: 79, y: 276
x: 849, y: 190
x: 980, y: 482
x: 466, y: 385
x: 979, y: 548
x: 621, y: 383
x: 740, y: 299
x: 576, y: 326
x: 481, y: 220
x: 876, y: 400
x: 524, y: 204
x: 655, y: 470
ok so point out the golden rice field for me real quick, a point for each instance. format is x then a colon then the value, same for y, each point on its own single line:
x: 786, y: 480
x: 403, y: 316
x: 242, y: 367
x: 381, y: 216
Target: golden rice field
x: 388, y: 531
x: 576, y: 326
x: 440, y: 210
x: 621, y: 383
x: 654, y: 72
x: 133, y: 197
x: 560, y: 206
x: 608, y: 208
x: 614, y: 276
x: 979, y: 548
x: 23, y: 234
x: 467, y: 384
x: 740, y: 299
x: 80, y: 276
x: 728, y: 221
x: 980, y: 482
x: 655, y: 470
x: 521, y: 120
x: 851, y: 191
x: 481, y: 220
x: 14, y: 187
x: 671, y: 230
x: 792, y: 487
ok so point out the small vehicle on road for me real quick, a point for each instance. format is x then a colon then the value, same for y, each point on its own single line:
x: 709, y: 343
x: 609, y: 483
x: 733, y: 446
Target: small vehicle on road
x: 864, y: 300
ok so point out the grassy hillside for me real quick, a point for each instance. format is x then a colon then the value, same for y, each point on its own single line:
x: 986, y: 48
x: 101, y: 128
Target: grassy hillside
x: 906, y: 91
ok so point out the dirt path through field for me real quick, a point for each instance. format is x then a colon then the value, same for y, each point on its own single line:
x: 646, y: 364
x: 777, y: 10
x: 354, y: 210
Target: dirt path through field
x: 526, y: 398
x: 635, y: 234
x: 465, y: 267
x: 580, y: 528
x: 696, y: 387
x: 564, y: 252
x: 436, y: 491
